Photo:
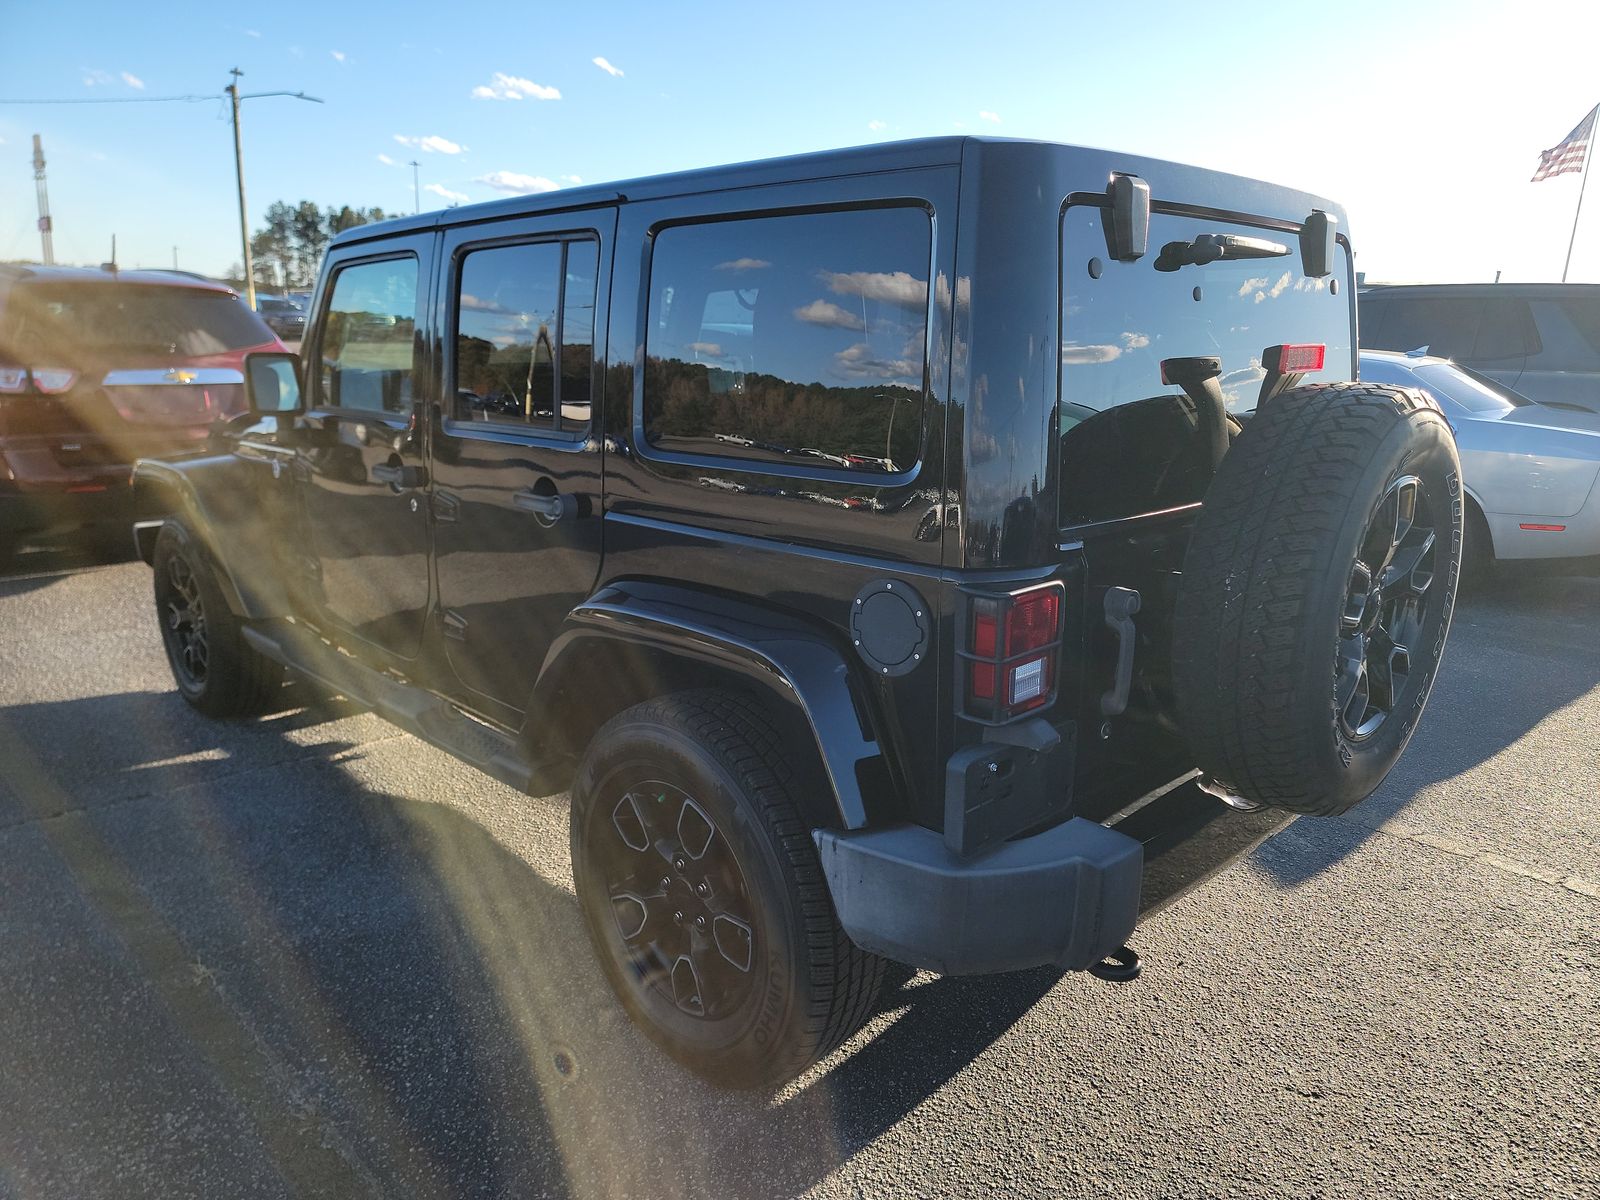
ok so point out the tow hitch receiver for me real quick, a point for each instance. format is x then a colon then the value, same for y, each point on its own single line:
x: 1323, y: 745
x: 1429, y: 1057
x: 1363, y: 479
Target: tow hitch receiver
x: 1122, y: 965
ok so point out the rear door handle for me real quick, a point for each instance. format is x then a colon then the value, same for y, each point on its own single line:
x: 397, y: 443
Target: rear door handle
x: 401, y: 478
x: 1120, y: 605
x: 546, y: 508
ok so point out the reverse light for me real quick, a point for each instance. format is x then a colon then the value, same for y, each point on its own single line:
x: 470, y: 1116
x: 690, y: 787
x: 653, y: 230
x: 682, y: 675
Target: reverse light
x: 1013, y: 644
x: 1293, y: 360
x: 53, y: 380
x: 13, y: 379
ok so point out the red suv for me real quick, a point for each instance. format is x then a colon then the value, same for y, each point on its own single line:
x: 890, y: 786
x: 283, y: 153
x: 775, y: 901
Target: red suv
x: 99, y: 368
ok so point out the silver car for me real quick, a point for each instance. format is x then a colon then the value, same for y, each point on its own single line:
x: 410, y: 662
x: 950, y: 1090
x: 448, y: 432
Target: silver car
x: 1529, y: 469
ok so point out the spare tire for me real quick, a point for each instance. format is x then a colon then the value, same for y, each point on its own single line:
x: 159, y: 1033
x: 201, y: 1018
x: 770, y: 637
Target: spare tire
x: 1316, y: 595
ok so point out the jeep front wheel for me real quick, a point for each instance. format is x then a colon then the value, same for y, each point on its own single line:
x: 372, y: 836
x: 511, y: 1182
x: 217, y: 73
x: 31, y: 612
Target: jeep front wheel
x: 702, y: 893
x: 1316, y: 595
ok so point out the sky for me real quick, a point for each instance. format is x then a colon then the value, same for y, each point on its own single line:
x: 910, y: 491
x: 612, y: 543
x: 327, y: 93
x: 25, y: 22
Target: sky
x: 1423, y: 118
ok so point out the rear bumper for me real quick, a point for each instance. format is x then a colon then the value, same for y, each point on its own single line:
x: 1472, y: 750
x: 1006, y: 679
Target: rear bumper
x: 23, y: 513
x: 1065, y: 897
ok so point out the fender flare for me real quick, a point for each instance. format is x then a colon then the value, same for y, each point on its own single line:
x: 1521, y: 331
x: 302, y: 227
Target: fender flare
x: 781, y: 656
x: 216, y: 498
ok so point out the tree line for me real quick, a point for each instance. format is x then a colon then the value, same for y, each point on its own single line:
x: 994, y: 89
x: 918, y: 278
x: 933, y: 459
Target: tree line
x: 288, y: 249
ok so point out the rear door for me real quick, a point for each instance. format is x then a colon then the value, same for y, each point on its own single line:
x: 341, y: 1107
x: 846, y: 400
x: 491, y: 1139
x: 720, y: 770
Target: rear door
x: 516, y: 443
x: 361, y: 469
x: 1133, y: 461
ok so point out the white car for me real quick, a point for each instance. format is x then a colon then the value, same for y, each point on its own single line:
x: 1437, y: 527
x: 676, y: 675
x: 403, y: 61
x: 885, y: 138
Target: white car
x: 1529, y: 470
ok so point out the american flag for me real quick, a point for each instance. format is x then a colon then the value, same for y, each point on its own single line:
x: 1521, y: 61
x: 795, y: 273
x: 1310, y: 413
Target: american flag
x: 1568, y: 154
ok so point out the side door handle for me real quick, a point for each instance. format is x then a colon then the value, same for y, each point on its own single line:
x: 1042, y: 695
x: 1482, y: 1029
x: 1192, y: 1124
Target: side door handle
x: 400, y: 478
x: 546, y: 508
x: 1120, y: 605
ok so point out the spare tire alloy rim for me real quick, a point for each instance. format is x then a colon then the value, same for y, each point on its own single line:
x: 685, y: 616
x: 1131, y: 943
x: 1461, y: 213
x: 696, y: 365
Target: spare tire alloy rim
x: 1386, y: 606
x: 186, y: 618
x: 679, y: 900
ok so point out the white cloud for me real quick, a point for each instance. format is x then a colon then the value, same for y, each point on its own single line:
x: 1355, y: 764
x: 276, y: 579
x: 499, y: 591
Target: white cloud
x: 514, y: 87
x: 743, y: 264
x: 614, y: 72
x: 1074, y: 354
x: 829, y: 314
x: 94, y: 77
x: 338, y: 55
x: 1135, y: 341
x: 876, y: 125
x: 432, y: 144
x: 255, y: 33
x: 992, y: 117
x: 858, y: 360
x: 571, y: 179
x: 517, y: 185
x: 1251, y: 284
x: 386, y: 160
x: 892, y: 287
x: 132, y: 80
x: 438, y: 189
x: 1277, y: 289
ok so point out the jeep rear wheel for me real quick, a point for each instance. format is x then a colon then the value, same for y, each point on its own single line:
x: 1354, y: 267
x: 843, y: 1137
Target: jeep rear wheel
x: 216, y: 670
x: 1316, y: 595
x: 703, y: 897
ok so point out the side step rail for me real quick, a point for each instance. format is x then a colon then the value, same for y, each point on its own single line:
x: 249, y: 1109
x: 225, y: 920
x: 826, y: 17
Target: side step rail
x: 412, y: 708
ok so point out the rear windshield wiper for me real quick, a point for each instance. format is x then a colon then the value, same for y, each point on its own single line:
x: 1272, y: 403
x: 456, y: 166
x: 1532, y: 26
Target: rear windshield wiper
x: 1212, y: 247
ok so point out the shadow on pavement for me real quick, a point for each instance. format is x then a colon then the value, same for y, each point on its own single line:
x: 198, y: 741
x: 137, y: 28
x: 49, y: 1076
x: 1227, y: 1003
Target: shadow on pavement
x: 1520, y: 649
x: 418, y: 996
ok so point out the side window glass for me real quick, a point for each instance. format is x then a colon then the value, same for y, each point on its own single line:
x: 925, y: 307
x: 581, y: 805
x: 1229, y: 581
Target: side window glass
x: 799, y: 339
x: 1448, y: 328
x: 368, y: 338
x: 525, y: 334
x: 1571, y: 334
x: 1503, y: 330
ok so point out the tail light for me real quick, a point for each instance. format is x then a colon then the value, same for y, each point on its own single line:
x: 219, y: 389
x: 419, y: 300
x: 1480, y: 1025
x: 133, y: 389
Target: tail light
x: 53, y: 380
x: 1013, y: 644
x: 1293, y: 360
x: 13, y: 379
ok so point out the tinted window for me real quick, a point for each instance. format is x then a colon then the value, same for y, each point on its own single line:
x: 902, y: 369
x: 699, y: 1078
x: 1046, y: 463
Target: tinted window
x: 1504, y: 329
x: 525, y: 355
x: 1471, y: 391
x: 1445, y: 327
x: 1130, y: 444
x: 1570, y: 331
x: 63, y: 321
x: 800, y: 339
x: 368, y: 337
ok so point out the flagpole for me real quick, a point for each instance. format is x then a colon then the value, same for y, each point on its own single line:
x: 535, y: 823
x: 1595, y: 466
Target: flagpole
x: 1588, y: 155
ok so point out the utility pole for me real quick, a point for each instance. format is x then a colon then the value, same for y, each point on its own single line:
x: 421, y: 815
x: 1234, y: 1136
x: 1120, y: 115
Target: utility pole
x: 416, y: 190
x: 244, y: 220
x: 238, y: 164
x: 44, y: 202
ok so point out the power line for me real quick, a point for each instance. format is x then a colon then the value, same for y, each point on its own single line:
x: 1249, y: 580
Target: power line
x: 117, y: 100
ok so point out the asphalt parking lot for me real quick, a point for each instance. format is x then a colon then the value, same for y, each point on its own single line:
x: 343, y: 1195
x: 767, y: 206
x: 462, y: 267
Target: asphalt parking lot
x: 307, y: 956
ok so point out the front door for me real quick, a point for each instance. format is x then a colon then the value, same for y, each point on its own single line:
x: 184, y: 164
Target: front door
x: 362, y: 465
x: 516, y: 441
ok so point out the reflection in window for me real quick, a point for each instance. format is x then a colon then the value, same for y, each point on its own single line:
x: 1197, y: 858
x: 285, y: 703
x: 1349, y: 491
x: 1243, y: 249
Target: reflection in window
x: 1131, y: 444
x: 367, y: 339
x: 799, y: 338
x: 523, y: 356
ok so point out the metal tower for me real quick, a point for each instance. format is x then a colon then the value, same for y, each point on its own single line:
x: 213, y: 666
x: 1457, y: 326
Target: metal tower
x: 44, y: 202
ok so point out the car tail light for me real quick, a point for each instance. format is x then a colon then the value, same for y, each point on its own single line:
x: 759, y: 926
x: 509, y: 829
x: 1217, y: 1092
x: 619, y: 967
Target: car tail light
x: 1544, y: 528
x: 1293, y: 360
x: 53, y: 380
x: 1013, y: 645
x: 13, y: 379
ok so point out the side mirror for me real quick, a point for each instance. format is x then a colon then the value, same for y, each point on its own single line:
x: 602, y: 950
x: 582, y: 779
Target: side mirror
x: 1318, y: 244
x: 272, y: 383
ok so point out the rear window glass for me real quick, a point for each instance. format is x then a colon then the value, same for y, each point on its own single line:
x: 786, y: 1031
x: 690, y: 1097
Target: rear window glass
x: 46, y: 320
x: 799, y: 339
x: 1570, y: 330
x: 1130, y: 444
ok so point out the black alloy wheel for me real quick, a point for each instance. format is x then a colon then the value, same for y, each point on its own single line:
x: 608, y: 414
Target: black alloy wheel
x: 183, y: 620
x: 1386, y: 608
x: 679, y: 900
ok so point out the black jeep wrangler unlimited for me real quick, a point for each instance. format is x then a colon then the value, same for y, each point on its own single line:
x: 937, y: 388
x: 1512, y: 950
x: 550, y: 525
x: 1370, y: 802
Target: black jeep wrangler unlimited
x: 939, y: 552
